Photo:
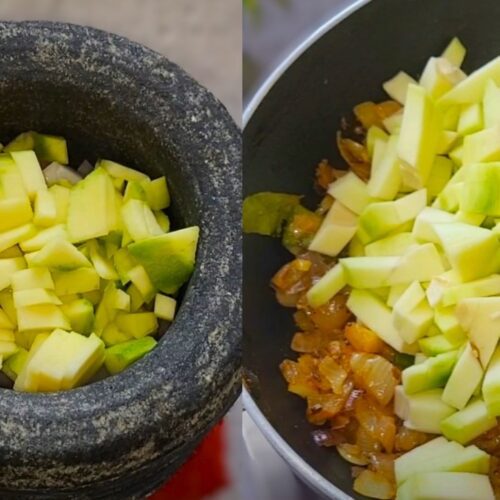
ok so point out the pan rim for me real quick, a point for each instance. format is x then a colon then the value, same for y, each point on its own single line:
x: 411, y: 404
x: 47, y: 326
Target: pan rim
x: 305, y: 471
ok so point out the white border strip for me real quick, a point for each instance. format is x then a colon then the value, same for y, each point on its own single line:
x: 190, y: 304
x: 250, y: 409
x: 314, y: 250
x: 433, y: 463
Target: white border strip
x: 313, y: 478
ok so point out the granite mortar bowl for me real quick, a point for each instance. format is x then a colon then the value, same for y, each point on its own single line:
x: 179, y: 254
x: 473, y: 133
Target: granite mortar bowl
x: 289, y: 127
x: 123, y: 436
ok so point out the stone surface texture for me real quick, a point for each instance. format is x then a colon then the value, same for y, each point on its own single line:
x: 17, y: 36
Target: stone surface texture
x: 121, y: 437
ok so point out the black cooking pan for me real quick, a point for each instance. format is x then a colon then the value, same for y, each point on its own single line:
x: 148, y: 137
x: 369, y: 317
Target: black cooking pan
x: 290, y: 126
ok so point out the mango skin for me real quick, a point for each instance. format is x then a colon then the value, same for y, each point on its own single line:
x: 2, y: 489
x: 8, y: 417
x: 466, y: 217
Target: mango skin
x: 122, y: 355
x: 168, y: 259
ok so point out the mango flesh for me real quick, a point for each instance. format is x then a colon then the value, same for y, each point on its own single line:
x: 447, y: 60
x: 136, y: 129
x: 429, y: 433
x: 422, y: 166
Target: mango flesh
x: 479, y: 318
x: 405, y: 464
x: 455, y: 52
x: 464, y: 379
x: 469, y: 423
x: 462, y: 244
x: 168, y: 259
x: 89, y: 194
x: 137, y: 325
x: 351, y: 191
x: 336, y: 230
x: 385, y: 180
x: 59, y: 255
x: 419, y: 131
x: 64, y: 256
x: 431, y: 374
x: 397, y: 86
x: 423, y: 411
x: 80, y: 314
x: 438, y: 344
x: 377, y: 316
x: 165, y: 307
x: 472, y: 88
x: 412, y: 315
x: 368, y: 272
x: 64, y: 360
x: 14, y: 364
x: 446, y: 486
x: 120, y: 356
x: 491, y: 385
x: 479, y: 194
x: 330, y: 284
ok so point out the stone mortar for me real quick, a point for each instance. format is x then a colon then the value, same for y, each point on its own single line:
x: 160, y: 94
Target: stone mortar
x: 123, y: 436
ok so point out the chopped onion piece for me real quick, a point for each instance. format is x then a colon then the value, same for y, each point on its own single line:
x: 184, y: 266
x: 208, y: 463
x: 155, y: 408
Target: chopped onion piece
x: 352, y: 453
x: 56, y: 172
x: 374, y: 485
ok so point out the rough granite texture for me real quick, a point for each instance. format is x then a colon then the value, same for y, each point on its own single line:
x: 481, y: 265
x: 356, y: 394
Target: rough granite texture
x: 121, y: 437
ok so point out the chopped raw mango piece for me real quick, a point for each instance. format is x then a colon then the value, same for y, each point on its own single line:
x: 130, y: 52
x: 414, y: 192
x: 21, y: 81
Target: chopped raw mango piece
x: 111, y: 335
x: 138, y: 324
x: 134, y: 191
x: 472, y: 251
x: 168, y: 259
x: 329, y: 285
x: 88, y: 207
x: 397, y: 86
x: 139, y: 220
x: 479, y: 318
x: 51, y: 148
x: 377, y: 316
x: 419, y: 136
x: 9, y: 267
x: 136, y: 299
x: 469, y: 423
x: 351, y: 191
x: 157, y: 195
x: 59, y: 255
x: 15, y: 236
x: 14, y: 364
x: 124, y: 262
x: 35, y: 296
x: 446, y: 485
x: 123, y: 355
x: 43, y: 237
x: 455, y: 52
x: 45, y: 209
x: 139, y: 277
x: 120, y: 171
x: 471, y: 119
x: 422, y: 411
x: 471, y: 90
x: 31, y: 172
x: 374, y: 134
x: 336, y: 230
x: 78, y: 281
x: 29, y: 279
x: 80, y: 314
x: 41, y: 317
x: 63, y: 361
x: 103, y: 266
x: 14, y: 212
x: 163, y: 221
x: 432, y: 373
x: 165, y: 307
x: 440, y: 76
x: 464, y: 379
x: 61, y: 196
